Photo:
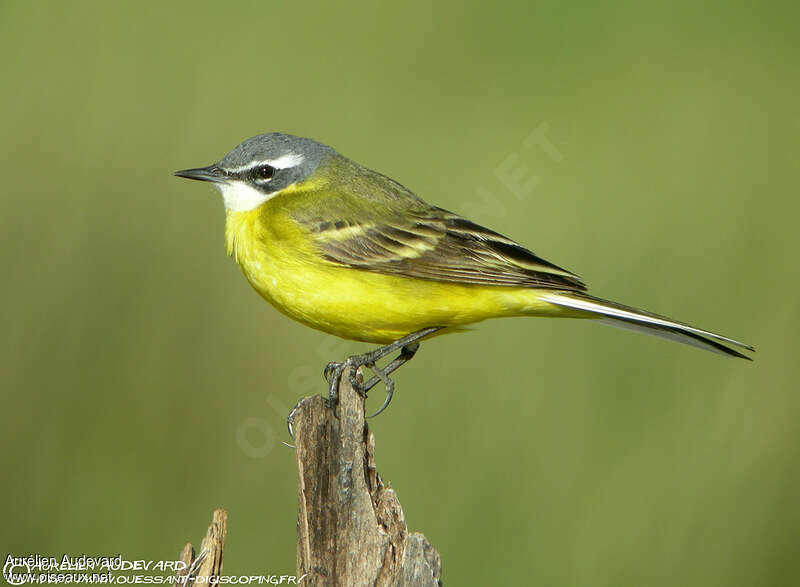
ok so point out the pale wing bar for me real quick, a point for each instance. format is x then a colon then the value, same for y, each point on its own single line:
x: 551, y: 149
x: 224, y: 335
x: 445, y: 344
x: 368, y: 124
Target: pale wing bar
x: 438, y: 245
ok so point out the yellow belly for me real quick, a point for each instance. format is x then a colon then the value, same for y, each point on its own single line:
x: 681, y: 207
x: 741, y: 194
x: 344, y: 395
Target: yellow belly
x: 357, y: 304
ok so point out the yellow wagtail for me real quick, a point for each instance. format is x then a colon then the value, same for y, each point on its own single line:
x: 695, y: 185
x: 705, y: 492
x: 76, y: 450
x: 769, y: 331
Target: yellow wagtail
x: 346, y: 250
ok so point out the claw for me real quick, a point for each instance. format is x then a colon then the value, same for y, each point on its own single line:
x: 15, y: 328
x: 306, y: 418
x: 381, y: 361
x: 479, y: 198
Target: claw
x: 381, y: 374
x: 355, y: 376
x: 329, y: 368
x: 385, y: 404
x: 333, y: 371
x: 290, y: 421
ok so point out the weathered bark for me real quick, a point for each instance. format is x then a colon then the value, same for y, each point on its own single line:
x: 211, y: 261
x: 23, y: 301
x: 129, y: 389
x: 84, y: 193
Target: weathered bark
x: 350, y: 526
x: 208, y: 563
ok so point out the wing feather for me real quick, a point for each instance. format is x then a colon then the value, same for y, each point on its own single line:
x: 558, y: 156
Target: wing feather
x: 437, y: 245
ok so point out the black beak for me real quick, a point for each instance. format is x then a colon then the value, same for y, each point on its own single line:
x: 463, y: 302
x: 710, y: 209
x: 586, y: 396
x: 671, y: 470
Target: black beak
x: 210, y: 173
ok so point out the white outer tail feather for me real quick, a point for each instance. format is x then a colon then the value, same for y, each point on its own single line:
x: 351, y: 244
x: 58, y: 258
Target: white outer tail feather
x: 621, y: 316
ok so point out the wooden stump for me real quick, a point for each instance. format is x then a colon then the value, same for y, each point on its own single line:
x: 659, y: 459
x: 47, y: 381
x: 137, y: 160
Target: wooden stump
x: 208, y: 563
x: 350, y: 525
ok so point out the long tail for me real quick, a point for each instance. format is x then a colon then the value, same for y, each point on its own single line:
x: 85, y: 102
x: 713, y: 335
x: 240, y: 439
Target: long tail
x: 621, y: 316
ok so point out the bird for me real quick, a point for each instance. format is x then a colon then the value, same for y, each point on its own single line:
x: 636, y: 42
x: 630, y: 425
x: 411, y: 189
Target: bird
x: 351, y: 252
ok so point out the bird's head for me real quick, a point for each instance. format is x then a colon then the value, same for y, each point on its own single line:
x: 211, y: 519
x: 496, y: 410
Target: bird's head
x: 262, y: 167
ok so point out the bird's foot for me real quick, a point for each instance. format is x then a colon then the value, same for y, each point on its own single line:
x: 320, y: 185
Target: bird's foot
x: 408, y: 346
x: 334, y: 371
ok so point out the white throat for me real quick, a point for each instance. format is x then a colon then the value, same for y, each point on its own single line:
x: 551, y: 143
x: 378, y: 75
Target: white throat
x: 240, y: 197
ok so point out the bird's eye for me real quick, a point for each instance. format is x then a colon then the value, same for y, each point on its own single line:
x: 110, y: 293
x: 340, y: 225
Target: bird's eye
x: 265, y: 172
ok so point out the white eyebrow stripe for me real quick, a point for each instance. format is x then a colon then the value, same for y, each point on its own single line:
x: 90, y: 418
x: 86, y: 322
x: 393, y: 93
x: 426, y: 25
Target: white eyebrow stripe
x: 286, y: 161
x: 282, y: 162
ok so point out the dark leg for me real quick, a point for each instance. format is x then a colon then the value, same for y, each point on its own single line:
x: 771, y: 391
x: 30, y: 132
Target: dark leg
x: 406, y: 354
x: 408, y: 346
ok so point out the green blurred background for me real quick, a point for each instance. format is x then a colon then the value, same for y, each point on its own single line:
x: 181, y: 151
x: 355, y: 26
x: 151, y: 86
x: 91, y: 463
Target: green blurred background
x: 144, y: 383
